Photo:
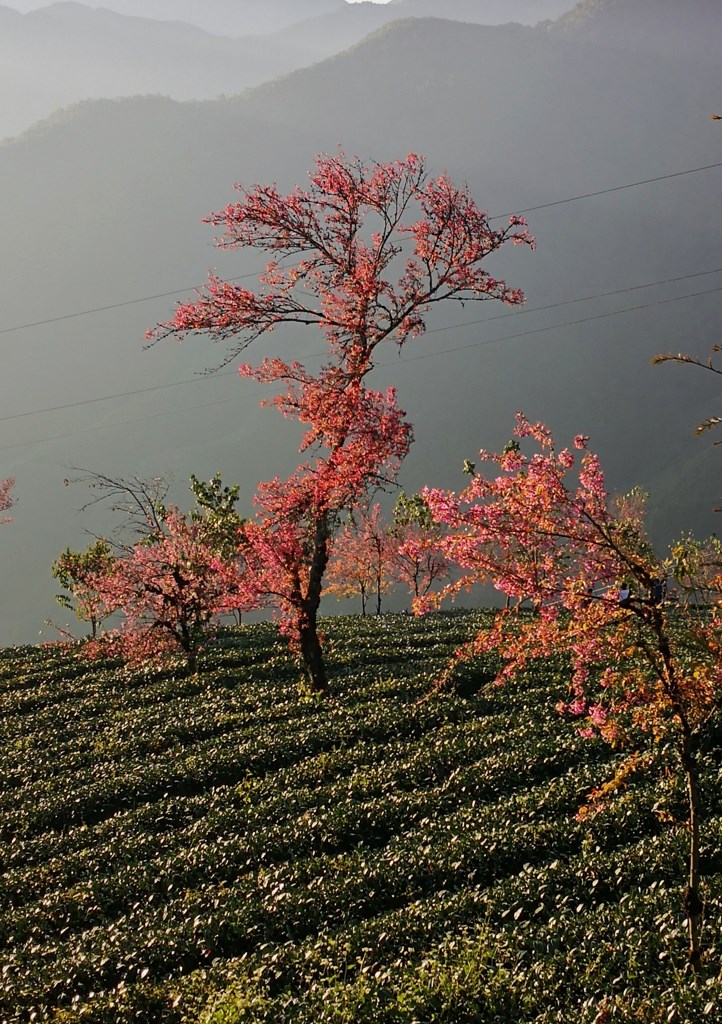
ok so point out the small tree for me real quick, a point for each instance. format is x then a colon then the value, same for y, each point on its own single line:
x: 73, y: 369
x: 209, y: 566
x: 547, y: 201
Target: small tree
x: 170, y: 590
x: 170, y: 576
x: 642, y: 671
x: 417, y: 559
x: 697, y: 568
x: 346, y: 234
x: 216, y: 513
x: 6, y: 498
x: 76, y: 571
x: 217, y: 516
x: 361, y: 558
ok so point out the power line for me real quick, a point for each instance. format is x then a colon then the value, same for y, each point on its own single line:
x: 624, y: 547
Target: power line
x: 556, y: 327
x: 123, y: 423
x: 583, y: 298
x: 435, y: 330
x: 407, y: 359
x: 606, y: 191
x: 499, y: 216
x: 113, y: 305
x: 118, y: 394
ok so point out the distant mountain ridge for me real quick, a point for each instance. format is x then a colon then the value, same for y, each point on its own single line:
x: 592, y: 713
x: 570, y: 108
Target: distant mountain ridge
x: 220, y: 17
x: 347, y: 25
x: 260, y: 17
x: 480, y: 12
x: 668, y: 26
x: 67, y: 52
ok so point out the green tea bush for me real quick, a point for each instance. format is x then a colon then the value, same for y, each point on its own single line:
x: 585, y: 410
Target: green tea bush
x: 219, y: 849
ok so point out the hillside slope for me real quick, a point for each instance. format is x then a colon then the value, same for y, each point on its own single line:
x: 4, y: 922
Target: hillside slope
x: 214, y: 849
x: 659, y: 26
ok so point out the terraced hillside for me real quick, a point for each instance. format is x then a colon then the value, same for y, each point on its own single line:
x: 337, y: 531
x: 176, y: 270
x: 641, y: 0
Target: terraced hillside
x: 219, y: 849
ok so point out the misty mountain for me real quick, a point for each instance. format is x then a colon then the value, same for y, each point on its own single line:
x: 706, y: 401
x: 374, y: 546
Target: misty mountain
x: 480, y: 12
x: 103, y: 208
x: 261, y: 17
x: 68, y: 52
x: 345, y: 26
x: 220, y: 17
x: 653, y: 26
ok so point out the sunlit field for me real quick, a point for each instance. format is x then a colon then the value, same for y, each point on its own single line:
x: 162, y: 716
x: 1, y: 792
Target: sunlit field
x: 222, y: 848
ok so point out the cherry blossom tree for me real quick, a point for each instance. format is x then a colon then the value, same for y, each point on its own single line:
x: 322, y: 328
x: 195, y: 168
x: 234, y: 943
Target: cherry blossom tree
x: 286, y: 546
x: 417, y: 558
x: 644, y: 673
x: 6, y: 498
x: 170, y: 589
x: 169, y: 576
x: 346, y: 234
x: 361, y: 558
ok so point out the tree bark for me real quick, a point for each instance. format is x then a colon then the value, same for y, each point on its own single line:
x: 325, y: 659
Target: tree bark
x: 693, y: 905
x: 313, y: 664
x: 311, y: 653
x: 188, y: 646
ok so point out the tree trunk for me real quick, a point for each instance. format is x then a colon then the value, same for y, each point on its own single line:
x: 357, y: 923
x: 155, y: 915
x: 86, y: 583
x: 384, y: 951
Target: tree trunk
x: 693, y: 905
x: 311, y: 652
x: 312, y: 655
x: 188, y: 645
x: 363, y: 599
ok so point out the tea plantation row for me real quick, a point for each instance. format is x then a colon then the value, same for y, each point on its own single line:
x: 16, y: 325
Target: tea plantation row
x: 218, y: 849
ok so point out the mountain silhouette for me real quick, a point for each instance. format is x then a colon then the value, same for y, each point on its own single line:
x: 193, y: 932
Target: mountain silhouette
x: 58, y: 55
